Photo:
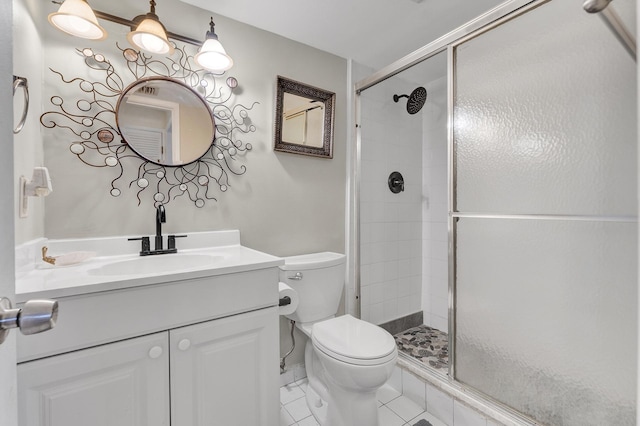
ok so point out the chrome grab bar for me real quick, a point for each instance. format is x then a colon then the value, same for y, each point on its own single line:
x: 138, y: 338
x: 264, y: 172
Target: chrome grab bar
x: 21, y: 82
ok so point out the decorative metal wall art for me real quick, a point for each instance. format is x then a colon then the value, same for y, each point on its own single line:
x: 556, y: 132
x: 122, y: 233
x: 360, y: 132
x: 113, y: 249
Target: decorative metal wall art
x: 91, y: 118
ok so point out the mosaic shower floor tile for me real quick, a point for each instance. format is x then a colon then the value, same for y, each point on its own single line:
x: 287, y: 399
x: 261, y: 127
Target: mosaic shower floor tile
x: 428, y: 345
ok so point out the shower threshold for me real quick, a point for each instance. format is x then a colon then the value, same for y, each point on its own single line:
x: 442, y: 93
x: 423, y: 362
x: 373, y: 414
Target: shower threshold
x: 425, y: 344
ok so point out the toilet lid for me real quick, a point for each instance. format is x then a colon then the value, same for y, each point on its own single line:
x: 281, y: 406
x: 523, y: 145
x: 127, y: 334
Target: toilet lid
x: 356, y: 340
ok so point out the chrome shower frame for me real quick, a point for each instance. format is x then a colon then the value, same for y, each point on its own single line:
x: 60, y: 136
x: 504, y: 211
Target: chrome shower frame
x: 495, y: 17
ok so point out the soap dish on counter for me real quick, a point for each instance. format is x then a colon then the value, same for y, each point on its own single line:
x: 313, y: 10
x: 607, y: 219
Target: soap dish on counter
x: 67, y: 259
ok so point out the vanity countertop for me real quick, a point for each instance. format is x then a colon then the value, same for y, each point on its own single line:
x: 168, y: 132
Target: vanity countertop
x: 118, y: 264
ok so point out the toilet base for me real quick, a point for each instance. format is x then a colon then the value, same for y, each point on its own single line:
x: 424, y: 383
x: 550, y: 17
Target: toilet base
x: 359, y: 408
x: 362, y: 410
x: 317, y: 406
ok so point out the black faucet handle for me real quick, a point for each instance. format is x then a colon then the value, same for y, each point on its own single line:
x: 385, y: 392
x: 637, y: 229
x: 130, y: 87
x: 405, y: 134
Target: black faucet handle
x: 171, y: 241
x: 146, y: 244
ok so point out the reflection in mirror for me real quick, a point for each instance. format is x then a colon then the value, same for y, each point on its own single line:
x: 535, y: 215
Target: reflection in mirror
x: 165, y: 121
x: 304, y: 119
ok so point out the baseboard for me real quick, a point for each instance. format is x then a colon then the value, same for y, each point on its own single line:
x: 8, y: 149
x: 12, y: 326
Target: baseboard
x: 397, y: 325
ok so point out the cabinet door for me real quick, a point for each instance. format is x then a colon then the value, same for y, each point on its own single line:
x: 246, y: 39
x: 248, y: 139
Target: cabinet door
x: 225, y: 372
x: 120, y: 384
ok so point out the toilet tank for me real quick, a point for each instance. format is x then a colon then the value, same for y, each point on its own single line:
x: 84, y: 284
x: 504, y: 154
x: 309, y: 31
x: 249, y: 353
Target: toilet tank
x: 318, y: 278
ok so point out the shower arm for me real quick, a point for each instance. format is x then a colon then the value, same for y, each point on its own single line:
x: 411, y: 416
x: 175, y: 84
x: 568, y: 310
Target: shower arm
x: 615, y: 24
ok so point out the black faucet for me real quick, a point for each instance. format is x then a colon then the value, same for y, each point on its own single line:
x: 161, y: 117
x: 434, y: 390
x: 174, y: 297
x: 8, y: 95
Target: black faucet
x: 161, y: 218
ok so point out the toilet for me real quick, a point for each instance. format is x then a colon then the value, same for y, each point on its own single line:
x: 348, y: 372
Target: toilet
x: 347, y: 359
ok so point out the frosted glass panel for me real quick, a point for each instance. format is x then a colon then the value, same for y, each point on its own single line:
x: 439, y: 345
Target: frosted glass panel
x: 546, y: 317
x: 545, y: 116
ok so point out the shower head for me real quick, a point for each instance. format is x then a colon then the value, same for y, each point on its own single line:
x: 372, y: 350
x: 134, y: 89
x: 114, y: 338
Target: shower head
x: 416, y: 100
x: 595, y: 6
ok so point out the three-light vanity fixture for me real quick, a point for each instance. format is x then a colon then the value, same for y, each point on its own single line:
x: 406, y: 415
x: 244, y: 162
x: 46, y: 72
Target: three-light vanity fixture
x: 77, y: 18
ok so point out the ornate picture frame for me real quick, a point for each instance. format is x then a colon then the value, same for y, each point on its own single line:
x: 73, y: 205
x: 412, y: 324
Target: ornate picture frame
x: 304, y: 119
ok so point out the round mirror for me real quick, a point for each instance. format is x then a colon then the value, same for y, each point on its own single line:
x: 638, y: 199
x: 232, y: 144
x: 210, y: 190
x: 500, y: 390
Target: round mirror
x: 165, y: 121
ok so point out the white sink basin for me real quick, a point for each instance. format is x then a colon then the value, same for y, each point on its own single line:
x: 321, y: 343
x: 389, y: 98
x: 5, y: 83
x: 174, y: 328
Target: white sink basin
x: 158, y: 264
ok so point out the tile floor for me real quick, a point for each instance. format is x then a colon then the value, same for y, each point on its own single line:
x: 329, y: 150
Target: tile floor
x: 394, y: 409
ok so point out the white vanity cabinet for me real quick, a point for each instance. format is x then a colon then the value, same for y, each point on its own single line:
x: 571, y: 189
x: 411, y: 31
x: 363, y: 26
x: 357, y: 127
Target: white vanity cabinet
x: 197, y: 352
x: 221, y: 372
x: 123, y: 383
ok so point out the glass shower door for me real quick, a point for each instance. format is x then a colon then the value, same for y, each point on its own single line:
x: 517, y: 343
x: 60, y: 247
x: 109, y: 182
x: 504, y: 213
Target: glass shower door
x: 545, y: 217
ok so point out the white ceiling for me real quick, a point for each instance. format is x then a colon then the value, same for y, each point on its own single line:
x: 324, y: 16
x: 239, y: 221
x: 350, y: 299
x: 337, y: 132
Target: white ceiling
x: 372, y: 32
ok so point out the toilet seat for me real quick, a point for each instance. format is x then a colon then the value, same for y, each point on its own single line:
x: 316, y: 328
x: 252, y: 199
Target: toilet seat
x: 353, y: 341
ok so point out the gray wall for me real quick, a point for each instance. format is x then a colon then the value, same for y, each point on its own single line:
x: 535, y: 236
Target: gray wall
x: 285, y: 204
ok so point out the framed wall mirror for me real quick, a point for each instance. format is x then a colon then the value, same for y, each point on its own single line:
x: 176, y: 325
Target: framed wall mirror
x: 304, y: 119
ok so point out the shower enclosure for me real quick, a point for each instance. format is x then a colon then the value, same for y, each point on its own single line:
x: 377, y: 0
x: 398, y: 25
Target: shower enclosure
x: 515, y: 236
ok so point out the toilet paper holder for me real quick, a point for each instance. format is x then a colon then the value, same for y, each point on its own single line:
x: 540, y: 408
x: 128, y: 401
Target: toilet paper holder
x: 284, y: 301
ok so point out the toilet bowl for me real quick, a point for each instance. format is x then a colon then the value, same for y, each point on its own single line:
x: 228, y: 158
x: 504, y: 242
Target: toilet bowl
x: 347, y: 360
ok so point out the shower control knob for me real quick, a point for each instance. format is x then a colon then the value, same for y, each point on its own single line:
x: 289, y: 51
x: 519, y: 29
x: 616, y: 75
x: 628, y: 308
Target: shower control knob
x: 35, y: 317
x: 396, y: 182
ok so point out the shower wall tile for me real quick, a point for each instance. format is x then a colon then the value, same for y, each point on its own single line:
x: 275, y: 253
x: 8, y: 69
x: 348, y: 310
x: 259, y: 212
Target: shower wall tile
x: 405, y: 288
x: 391, y: 224
x: 439, y: 323
x: 409, y: 231
x: 440, y: 307
x: 377, y: 293
x: 391, y: 269
x: 408, y: 304
x: 376, y: 313
x: 391, y: 308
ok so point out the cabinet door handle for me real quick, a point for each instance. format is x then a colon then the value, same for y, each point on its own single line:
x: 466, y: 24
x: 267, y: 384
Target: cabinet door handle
x: 155, y: 352
x: 184, y: 344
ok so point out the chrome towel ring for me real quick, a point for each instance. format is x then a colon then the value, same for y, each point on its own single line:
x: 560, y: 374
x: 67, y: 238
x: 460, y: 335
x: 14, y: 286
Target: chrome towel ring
x: 21, y: 82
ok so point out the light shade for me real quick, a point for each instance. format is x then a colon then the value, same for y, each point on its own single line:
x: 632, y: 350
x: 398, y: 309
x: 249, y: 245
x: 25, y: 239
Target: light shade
x: 211, y: 55
x: 76, y: 17
x: 150, y: 35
